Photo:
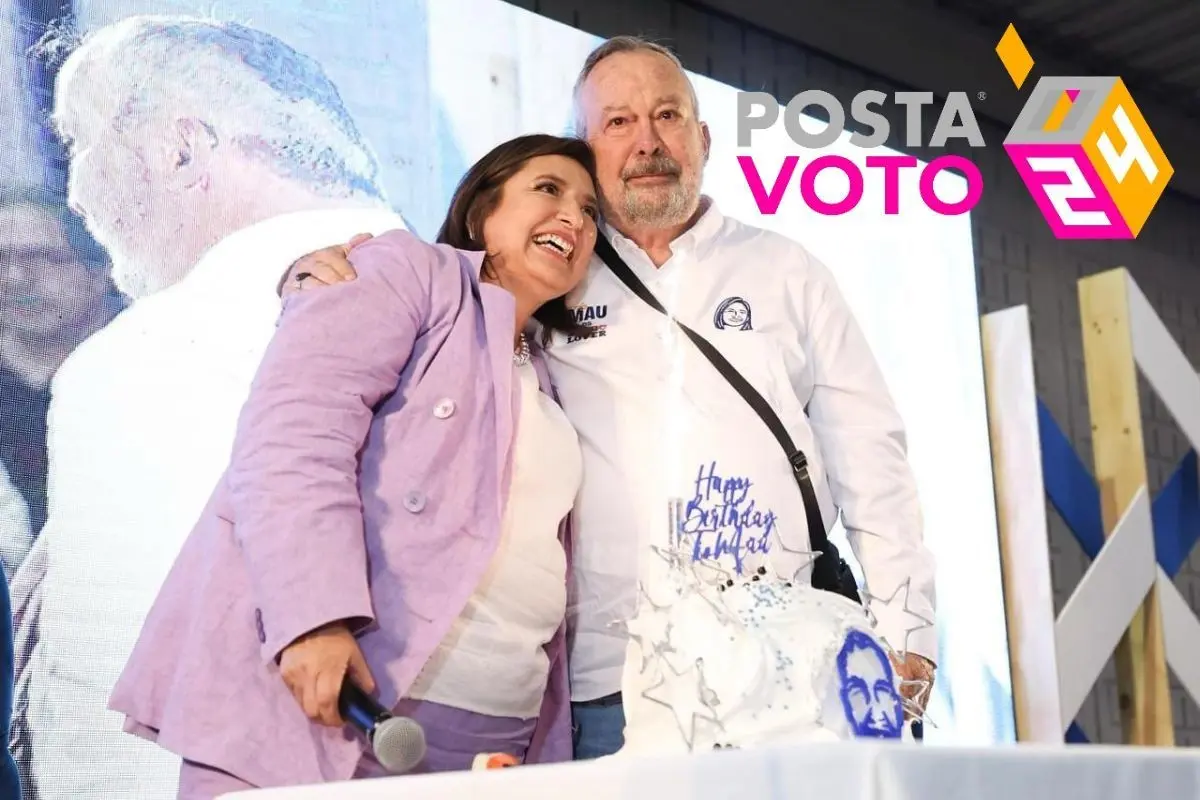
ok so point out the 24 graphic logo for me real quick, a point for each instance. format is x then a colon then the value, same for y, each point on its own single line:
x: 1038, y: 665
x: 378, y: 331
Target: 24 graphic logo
x: 1084, y: 151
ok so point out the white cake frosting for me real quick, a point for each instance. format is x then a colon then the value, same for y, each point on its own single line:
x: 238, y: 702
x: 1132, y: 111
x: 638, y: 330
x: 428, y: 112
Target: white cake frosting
x: 725, y: 663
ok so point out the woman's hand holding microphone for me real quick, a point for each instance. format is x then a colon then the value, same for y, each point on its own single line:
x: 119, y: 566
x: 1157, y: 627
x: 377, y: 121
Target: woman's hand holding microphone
x: 314, y: 666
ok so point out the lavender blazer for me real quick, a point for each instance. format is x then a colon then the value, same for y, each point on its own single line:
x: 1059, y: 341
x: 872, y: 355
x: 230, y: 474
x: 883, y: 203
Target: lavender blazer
x: 366, y: 483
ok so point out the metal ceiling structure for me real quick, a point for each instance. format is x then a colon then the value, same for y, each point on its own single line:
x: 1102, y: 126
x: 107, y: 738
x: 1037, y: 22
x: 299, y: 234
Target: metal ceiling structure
x: 1154, y: 45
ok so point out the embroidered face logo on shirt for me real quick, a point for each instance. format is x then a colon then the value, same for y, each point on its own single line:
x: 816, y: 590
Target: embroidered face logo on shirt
x: 734, y: 313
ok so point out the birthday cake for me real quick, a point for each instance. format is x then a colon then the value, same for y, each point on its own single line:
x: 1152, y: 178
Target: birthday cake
x: 748, y: 661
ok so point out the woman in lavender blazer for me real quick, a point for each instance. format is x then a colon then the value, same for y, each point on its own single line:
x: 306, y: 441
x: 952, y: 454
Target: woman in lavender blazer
x: 394, y: 508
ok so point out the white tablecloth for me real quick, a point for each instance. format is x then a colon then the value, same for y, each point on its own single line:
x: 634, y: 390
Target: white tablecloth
x: 852, y: 771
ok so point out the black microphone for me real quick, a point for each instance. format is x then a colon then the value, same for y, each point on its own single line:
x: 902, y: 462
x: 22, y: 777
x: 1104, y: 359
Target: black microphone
x: 398, y: 742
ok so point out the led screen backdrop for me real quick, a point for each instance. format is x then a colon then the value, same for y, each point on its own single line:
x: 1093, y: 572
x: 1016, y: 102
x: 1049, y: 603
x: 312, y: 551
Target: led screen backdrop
x: 397, y: 98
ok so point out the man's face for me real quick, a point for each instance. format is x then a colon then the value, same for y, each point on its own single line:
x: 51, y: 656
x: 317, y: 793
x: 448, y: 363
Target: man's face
x: 119, y: 186
x: 870, y: 697
x: 45, y: 287
x: 650, y: 148
x: 51, y: 300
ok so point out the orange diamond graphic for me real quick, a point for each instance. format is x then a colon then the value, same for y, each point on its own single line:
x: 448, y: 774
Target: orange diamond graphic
x: 1014, y: 56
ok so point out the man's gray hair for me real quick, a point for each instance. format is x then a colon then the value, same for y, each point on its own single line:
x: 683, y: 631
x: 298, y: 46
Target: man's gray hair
x: 611, y: 47
x: 255, y: 91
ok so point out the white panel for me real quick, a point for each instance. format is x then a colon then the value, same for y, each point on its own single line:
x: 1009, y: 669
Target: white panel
x: 1162, y: 361
x: 1012, y: 411
x: 1098, y: 613
x: 1181, y: 632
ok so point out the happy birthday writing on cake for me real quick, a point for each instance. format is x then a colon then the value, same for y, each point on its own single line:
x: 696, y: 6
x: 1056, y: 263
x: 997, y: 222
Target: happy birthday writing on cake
x: 723, y: 520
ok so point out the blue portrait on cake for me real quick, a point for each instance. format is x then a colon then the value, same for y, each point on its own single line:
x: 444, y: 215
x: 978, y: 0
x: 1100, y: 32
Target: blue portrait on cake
x: 754, y: 661
x: 867, y: 688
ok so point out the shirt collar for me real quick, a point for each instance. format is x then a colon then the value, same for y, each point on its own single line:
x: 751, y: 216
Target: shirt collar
x: 702, y: 232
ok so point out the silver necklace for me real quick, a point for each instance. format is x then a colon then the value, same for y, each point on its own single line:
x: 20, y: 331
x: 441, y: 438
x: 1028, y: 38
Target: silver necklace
x: 521, y: 356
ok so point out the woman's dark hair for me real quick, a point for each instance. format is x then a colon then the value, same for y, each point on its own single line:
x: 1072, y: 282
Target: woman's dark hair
x: 478, y: 195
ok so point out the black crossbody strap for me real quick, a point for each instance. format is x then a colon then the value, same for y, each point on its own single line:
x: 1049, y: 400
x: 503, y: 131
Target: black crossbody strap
x: 799, y: 462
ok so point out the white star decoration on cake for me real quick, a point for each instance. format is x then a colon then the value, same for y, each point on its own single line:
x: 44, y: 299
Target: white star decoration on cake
x: 648, y: 627
x: 806, y: 558
x: 890, y: 603
x: 672, y: 684
x: 871, y: 618
x: 919, y: 700
x: 920, y: 689
x: 696, y: 712
x: 673, y: 556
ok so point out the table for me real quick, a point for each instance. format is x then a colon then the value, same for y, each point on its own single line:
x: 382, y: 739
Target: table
x: 834, y: 771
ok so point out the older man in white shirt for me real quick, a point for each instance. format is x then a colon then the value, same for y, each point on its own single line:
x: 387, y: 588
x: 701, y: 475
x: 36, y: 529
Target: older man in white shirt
x: 205, y: 157
x: 657, y: 421
x: 661, y: 429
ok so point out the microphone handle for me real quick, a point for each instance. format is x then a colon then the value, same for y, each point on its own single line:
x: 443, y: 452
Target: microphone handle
x: 359, y: 708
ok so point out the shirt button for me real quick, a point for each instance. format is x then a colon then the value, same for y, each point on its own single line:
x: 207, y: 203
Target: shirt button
x: 258, y: 624
x: 414, y: 502
x: 444, y: 408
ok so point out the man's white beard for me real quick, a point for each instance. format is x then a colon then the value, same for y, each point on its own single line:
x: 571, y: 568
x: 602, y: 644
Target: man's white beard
x: 134, y: 277
x: 656, y: 209
x: 131, y: 278
x: 127, y: 274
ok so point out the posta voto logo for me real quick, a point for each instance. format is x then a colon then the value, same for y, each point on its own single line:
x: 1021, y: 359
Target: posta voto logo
x: 1084, y: 151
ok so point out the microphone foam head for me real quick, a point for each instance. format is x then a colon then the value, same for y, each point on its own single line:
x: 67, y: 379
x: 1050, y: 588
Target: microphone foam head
x: 399, y: 744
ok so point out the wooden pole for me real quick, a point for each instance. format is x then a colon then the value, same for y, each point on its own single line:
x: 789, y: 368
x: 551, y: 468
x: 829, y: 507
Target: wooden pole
x: 1119, y: 459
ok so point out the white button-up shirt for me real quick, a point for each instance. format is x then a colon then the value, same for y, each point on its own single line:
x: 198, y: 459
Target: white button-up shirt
x: 660, y: 426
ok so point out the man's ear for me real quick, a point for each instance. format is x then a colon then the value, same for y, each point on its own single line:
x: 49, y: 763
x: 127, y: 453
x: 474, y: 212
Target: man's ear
x: 193, y: 143
x: 707, y: 140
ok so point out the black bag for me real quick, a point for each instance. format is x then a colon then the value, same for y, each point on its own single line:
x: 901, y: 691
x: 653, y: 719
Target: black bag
x: 830, y: 571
